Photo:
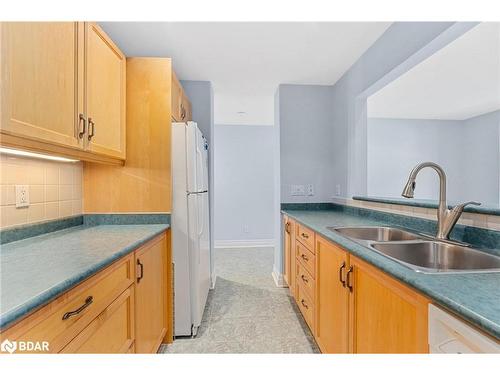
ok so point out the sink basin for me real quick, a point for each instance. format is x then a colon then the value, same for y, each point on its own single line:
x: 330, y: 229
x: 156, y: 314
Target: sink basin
x: 378, y: 234
x: 430, y: 256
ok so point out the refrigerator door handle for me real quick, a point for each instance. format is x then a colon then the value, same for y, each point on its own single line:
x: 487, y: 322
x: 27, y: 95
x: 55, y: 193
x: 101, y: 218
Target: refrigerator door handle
x: 197, y: 192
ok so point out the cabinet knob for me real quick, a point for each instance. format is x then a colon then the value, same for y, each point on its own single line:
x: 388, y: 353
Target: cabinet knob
x: 348, y: 279
x: 341, y: 273
x: 82, y: 120
x: 91, y: 129
x: 141, y: 274
x: 88, y: 302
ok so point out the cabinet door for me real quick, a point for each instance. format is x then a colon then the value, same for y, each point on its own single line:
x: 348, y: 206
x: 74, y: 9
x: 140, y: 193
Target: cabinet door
x: 151, y: 282
x: 111, y: 332
x: 386, y: 316
x: 176, y: 98
x: 286, y: 249
x: 293, y: 261
x: 39, y: 75
x: 332, y: 298
x: 105, y: 94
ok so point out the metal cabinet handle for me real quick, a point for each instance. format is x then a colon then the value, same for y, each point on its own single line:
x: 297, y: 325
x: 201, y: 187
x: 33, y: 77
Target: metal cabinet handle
x: 304, y: 278
x: 287, y: 227
x: 341, y: 269
x: 305, y: 235
x: 141, y: 275
x: 91, y: 126
x: 303, y: 302
x: 69, y: 314
x: 348, y: 278
x: 304, y: 257
x: 81, y: 119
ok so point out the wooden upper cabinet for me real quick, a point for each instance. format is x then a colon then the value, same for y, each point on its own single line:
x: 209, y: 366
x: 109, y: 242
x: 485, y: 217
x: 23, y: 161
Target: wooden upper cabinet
x: 181, y: 106
x: 186, y: 107
x: 39, y: 81
x: 385, y: 315
x: 105, y: 94
x: 150, y: 287
x: 176, y: 98
x: 332, y: 298
x: 62, y: 90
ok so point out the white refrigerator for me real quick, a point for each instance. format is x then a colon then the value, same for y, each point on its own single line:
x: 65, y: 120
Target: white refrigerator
x: 190, y: 227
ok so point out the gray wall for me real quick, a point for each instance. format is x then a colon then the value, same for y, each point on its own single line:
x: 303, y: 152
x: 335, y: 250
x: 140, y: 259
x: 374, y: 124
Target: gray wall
x: 334, y: 138
x: 468, y: 151
x: 481, y: 158
x: 396, y: 51
x: 201, y: 95
x: 306, y: 135
x: 244, y: 183
x: 395, y: 146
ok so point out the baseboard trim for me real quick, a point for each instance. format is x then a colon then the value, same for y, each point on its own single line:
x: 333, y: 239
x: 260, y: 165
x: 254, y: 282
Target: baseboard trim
x: 278, y: 279
x: 222, y: 244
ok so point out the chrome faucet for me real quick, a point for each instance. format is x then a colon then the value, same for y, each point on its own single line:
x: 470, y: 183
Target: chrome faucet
x: 446, y: 218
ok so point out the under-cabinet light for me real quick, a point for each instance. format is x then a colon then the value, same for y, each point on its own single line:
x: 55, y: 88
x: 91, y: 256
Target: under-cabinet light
x: 10, y: 151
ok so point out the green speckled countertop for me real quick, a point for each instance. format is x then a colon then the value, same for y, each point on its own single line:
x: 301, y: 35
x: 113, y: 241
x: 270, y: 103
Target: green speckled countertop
x: 475, y: 297
x: 35, y: 270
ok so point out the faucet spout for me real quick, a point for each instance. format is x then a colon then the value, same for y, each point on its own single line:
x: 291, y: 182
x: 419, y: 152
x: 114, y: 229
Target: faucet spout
x: 446, y: 218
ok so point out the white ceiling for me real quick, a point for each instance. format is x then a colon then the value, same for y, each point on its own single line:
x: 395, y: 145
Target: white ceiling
x: 247, y: 61
x: 458, y: 82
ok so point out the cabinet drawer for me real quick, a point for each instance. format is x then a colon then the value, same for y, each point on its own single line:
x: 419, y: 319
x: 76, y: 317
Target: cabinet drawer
x: 306, y: 258
x: 305, y: 280
x: 52, y: 325
x: 306, y: 306
x: 306, y: 236
x: 111, y: 332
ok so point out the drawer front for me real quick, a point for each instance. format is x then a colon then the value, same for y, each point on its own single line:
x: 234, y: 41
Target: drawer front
x: 306, y: 307
x: 305, y: 280
x: 306, y: 236
x: 306, y: 258
x: 111, y: 332
x: 57, y: 325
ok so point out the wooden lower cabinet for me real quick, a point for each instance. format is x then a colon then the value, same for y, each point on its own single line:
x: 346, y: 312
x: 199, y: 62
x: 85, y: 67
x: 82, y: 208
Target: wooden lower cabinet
x: 150, y: 323
x: 332, y: 298
x: 385, y: 315
x: 355, y: 307
x: 111, y: 332
x: 121, y: 309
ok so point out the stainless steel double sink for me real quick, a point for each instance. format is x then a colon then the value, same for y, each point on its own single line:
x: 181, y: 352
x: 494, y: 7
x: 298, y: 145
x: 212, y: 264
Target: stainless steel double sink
x: 420, y: 252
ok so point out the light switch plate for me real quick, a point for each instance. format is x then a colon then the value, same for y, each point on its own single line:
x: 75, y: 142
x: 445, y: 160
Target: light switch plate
x: 337, y: 190
x: 310, y: 189
x: 298, y: 190
x: 22, y: 196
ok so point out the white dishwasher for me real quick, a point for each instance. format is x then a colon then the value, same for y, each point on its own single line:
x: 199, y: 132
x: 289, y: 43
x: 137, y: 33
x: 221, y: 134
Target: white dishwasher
x: 448, y: 334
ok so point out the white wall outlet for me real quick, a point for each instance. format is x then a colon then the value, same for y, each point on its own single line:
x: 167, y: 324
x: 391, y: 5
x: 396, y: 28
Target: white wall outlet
x: 337, y: 190
x: 246, y: 228
x: 22, y: 196
x: 310, y: 189
x: 298, y: 190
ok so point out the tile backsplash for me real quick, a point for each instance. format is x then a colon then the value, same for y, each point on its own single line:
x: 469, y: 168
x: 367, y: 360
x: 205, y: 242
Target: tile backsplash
x: 468, y: 218
x: 55, y: 189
